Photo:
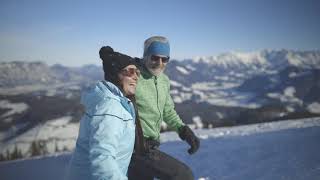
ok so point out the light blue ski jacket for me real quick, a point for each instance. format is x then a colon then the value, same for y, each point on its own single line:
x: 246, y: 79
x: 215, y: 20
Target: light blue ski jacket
x: 106, y: 135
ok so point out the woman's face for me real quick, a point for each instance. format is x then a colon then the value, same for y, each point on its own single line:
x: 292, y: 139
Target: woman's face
x: 128, y: 77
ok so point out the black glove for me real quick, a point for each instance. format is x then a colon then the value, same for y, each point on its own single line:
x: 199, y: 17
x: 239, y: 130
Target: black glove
x: 185, y: 133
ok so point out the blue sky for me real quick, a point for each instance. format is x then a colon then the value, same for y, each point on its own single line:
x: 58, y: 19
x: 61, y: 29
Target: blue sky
x: 72, y: 32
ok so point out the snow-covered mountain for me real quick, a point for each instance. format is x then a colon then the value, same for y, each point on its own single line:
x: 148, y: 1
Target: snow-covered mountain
x: 263, y: 60
x: 15, y: 74
x: 20, y: 73
x: 277, y: 82
x: 236, y: 66
x: 225, y: 90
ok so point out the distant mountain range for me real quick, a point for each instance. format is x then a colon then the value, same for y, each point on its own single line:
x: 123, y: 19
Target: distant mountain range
x: 276, y: 82
x: 228, y: 89
x: 15, y: 74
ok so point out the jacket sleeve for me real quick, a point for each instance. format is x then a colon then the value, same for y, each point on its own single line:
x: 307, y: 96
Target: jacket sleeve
x: 170, y: 115
x: 103, y: 141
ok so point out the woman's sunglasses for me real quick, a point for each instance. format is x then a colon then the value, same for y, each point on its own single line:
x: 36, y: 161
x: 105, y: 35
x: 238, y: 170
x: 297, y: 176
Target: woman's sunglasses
x: 130, y: 72
x: 157, y: 59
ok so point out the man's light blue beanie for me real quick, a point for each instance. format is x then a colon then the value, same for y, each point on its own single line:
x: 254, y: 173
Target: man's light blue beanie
x: 156, y: 45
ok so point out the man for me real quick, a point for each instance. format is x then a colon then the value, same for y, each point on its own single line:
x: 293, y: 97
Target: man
x: 155, y: 105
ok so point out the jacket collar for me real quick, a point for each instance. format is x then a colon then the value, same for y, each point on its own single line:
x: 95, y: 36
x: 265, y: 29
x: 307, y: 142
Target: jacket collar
x: 113, y: 89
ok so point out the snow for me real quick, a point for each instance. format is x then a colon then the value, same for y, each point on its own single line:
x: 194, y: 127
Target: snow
x: 206, y: 86
x: 15, y: 108
x: 286, y: 150
x: 227, y: 85
x: 174, y: 92
x: 247, y: 129
x: 25, y: 89
x: 223, y: 78
x: 12, y: 131
x: 51, y: 93
x: 231, y: 99
x: 238, y: 75
x: 288, y: 96
x: 177, y: 99
x: 181, y: 97
x: 234, y: 58
x: 274, y: 95
x: 164, y: 125
x: 186, y: 89
x: 222, y: 94
x: 288, y: 155
x: 182, y: 70
x: 175, y: 83
x: 292, y: 75
x: 289, y: 91
x: 227, y: 78
x: 290, y: 109
x: 197, y: 122
x: 220, y: 115
x: 314, y: 107
x: 191, y: 68
x: 263, y: 61
x: 309, y: 60
x: 199, y: 59
x: 293, y: 60
x: 57, y: 132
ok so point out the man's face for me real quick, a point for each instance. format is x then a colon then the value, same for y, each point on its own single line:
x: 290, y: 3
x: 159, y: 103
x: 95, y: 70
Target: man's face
x: 156, y: 64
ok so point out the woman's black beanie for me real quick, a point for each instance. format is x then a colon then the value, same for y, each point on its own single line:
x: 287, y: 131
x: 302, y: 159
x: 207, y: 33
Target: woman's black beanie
x: 113, y: 62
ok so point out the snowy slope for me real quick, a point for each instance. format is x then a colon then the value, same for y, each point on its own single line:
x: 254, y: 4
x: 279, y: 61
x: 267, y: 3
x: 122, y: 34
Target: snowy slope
x: 56, y: 133
x: 287, y: 150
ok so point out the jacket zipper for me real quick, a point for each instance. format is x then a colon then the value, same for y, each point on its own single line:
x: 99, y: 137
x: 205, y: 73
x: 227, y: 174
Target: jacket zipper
x: 156, y: 83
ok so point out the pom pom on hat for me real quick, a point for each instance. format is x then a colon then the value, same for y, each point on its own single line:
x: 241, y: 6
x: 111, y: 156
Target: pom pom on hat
x: 114, y: 62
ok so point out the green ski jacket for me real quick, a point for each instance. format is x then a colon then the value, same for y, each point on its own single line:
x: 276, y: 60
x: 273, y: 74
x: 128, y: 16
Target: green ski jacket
x: 154, y: 104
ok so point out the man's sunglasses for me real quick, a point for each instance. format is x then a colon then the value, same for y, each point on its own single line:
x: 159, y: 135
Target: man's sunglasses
x: 157, y: 59
x: 130, y: 72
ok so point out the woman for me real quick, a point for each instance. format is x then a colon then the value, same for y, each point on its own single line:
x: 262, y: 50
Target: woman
x: 107, y: 129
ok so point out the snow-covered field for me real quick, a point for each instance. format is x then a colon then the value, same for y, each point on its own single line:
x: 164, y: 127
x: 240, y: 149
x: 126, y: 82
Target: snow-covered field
x: 223, y: 93
x: 286, y: 150
x: 14, y: 108
x: 57, y: 133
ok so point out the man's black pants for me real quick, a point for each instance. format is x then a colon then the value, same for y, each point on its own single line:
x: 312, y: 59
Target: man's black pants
x: 157, y: 164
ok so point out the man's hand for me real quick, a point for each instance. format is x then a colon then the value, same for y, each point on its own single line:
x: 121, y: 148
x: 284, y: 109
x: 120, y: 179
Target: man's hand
x: 185, y: 133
